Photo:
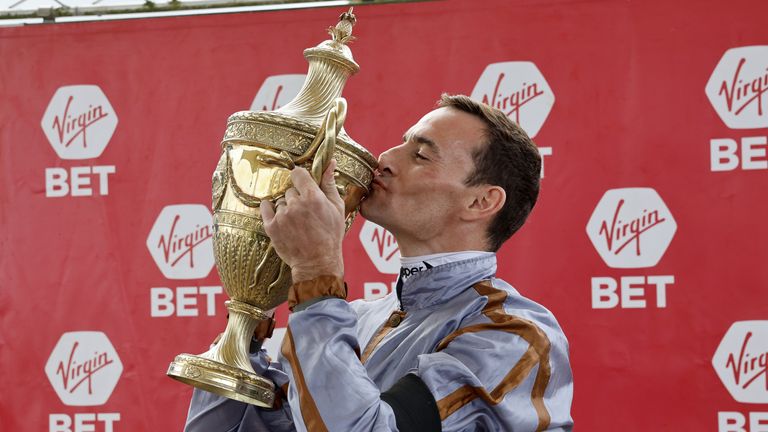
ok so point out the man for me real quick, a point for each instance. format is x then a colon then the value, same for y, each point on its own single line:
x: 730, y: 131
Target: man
x: 454, y: 349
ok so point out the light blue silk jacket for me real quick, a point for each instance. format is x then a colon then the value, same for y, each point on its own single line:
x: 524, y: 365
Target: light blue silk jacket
x: 492, y: 359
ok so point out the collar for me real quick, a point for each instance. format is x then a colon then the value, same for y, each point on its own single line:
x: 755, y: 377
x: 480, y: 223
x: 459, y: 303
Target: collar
x: 412, y: 265
x: 443, y: 282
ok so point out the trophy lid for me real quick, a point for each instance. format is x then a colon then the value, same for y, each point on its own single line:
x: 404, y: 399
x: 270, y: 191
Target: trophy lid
x: 336, y: 49
x: 292, y: 127
x: 330, y: 65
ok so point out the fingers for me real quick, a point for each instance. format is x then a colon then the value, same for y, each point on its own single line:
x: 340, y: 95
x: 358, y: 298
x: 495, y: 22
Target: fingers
x: 290, y: 195
x: 328, y: 186
x: 303, y: 181
x: 306, y: 186
x: 267, y: 211
x: 328, y: 182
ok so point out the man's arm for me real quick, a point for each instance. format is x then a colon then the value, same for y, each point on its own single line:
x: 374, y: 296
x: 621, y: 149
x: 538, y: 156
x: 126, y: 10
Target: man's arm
x: 330, y: 389
x: 209, y: 412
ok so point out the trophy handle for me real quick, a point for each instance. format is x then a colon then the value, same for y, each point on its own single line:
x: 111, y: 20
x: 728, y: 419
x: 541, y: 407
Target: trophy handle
x: 324, y: 144
x: 322, y: 148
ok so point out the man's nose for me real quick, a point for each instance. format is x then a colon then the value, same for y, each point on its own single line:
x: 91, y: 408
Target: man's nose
x: 386, y: 163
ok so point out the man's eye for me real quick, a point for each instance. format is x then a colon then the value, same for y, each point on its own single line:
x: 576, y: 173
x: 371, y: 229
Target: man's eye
x: 420, y: 156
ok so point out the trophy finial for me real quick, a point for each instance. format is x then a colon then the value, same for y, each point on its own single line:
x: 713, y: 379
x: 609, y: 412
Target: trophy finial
x: 342, y: 33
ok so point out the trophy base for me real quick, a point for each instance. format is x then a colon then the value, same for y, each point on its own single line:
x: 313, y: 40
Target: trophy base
x: 223, y: 380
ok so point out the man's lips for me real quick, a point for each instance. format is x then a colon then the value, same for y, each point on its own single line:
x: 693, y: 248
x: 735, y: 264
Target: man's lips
x: 379, y: 183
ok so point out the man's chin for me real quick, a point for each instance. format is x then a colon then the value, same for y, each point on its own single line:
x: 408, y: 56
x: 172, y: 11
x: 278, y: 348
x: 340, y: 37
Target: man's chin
x: 378, y: 214
x: 369, y: 210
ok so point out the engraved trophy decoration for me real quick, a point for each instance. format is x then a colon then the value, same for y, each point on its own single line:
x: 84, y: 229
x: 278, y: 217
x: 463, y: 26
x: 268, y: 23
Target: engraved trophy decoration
x: 258, y: 151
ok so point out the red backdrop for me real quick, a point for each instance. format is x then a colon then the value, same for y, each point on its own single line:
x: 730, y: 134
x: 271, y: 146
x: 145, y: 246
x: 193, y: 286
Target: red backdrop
x: 648, y: 242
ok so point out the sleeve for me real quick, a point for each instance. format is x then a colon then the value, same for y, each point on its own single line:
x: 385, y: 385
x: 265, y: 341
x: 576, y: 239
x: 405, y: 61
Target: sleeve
x: 330, y: 389
x: 501, y: 372
x: 209, y: 412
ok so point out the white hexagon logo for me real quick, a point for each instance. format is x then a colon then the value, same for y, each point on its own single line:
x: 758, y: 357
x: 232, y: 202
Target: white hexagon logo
x: 381, y: 247
x: 741, y: 361
x: 181, y: 241
x: 277, y: 91
x: 738, y: 87
x: 79, y: 122
x: 84, y: 368
x: 519, y: 90
x: 631, y: 228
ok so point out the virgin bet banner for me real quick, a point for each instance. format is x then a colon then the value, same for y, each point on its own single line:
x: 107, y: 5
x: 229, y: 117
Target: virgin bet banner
x: 649, y: 241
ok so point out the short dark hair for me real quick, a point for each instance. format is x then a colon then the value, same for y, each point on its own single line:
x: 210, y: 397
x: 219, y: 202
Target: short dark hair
x: 508, y: 159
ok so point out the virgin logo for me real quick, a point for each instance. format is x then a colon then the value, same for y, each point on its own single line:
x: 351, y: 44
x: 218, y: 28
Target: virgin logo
x: 74, y: 373
x: 519, y: 90
x: 176, y: 246
x: 381, y: 247
x: 738, y: 87
x: 739, y: 95
x: 79, y: 122
x: 276, y: 91
x: 70, y: 126
x: 741, y: 361
x: 83, y: 368
x: 748, y: 367
x: 180, y: 241
x: 620, y: 233
x: 631, y: 228
x: 511, y: 104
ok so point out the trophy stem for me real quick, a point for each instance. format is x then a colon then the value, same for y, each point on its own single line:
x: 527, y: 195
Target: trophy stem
x: 232, y: 349
x: 226, y: 369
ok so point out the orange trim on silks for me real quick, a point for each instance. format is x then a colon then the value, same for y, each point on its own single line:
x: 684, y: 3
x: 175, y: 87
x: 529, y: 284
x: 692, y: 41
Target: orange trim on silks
x: 309, y: 411
x: 387, y: 327
x: 326, y: 285
x: 537, y: 353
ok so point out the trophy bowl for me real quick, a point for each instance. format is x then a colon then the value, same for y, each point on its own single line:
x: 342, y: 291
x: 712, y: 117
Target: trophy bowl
x: 259, y: 150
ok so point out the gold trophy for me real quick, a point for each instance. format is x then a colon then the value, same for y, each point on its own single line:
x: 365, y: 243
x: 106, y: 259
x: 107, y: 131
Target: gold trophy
x: 259, y: 150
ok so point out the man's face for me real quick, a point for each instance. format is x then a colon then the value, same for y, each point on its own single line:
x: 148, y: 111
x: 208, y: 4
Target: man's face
x: 420, y: 189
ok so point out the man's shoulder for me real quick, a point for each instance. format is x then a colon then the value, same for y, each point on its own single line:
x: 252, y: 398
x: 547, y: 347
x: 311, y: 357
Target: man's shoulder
x: 506, y: 307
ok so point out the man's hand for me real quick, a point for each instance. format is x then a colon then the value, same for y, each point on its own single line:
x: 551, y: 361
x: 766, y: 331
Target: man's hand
x: 307, y: 226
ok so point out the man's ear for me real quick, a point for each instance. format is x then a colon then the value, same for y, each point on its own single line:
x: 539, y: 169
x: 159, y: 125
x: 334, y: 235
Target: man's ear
x: 485, y: 202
